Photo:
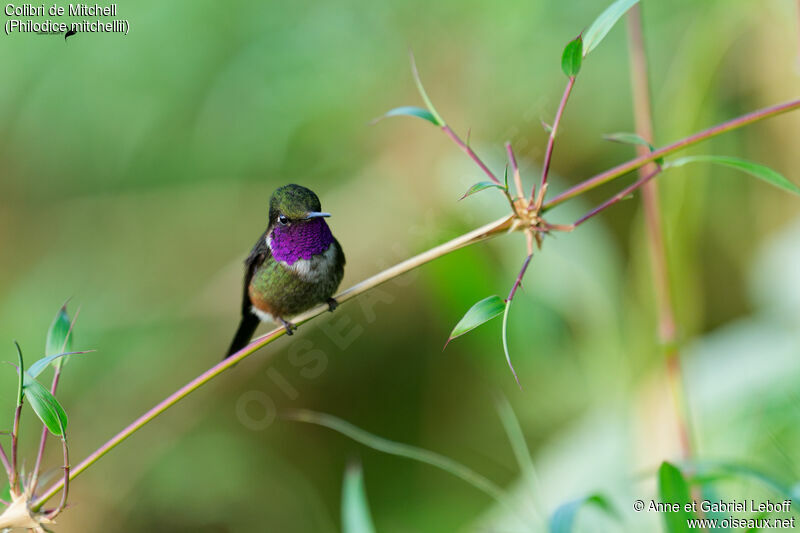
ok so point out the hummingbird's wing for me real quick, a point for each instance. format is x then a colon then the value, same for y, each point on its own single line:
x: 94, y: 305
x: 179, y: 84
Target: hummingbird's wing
x: 257, y: 256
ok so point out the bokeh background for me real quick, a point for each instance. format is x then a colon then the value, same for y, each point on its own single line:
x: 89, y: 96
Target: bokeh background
x: 135, y: 177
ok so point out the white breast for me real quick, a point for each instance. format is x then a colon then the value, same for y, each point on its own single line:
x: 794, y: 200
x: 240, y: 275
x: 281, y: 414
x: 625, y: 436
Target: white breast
x: 315, y: 269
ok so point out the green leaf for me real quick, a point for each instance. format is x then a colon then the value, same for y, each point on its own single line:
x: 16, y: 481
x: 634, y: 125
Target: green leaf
x: 355, y: 510
x: 481, y: 312
x: 39, y: 366
x: 438, y: 119
x: 481, y: 186
x: 5, y: 494
x: 20, y: 369
x: 633, y: 139
x: 564, y: 517
x: 603, y: 24
x: 517, y: 440
x: 46, y: 407
x: 59, y: 337
x: 505, y: 342
x: 398, y: 449
x: 628, y: 138
x: 411, y: 111
x: 572, y: 57
x: 754, y: 169
x: 674, y: 490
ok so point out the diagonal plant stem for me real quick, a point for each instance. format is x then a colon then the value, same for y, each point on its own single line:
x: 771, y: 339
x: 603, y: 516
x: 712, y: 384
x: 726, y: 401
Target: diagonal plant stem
x: 470, y: 152
x: 633, y: 164
x: 616, y: 198
x: 642, y: 110
x: 548, y: 154
x: 493, y: 229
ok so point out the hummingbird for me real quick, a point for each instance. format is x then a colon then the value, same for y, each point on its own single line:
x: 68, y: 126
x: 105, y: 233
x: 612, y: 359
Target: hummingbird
x: 296, y: 264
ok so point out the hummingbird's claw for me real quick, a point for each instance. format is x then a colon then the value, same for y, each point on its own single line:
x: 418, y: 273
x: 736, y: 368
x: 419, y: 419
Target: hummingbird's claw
x: 332, y: 304
x: 288, y: 325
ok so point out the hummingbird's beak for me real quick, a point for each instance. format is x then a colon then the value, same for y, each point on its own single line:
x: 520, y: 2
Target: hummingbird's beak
x: 316, y: 214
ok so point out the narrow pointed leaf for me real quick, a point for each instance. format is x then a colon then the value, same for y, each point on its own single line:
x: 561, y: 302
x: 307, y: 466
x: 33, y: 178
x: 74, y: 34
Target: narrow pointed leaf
x: 398, y: 449
x: 517, y: 440
x: 39, y: 366
x: 481, y: 186
x: 673, y: 488
x: 424, y: 94
x: 59, y: 337
x: 20, y: 370
x: 572, y: 57
x: 633, y: 139
x: 411, y: 111
x: 46, y: 407
x: 356, y: 517
x: 564, y: 517
x: 754, y: 169
x: 481, y: 312
x: 505, y: 342
x: 603, y: 24
x: 628, y: 138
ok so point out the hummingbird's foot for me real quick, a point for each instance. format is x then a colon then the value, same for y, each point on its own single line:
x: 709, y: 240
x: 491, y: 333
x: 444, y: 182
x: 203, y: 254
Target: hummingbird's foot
x: 332, y: 304
x: 288, y: 325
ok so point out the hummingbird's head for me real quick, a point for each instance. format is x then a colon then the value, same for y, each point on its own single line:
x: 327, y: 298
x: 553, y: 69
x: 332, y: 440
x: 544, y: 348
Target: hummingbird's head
x: 298, y: 227
x: 294, y: 205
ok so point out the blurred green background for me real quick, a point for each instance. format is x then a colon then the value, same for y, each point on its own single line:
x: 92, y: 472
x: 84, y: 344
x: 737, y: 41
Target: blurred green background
x: 135, y: 177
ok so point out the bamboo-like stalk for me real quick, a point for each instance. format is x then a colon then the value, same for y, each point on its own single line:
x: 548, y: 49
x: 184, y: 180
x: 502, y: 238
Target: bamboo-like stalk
x: 642, y: 111
x: 492, y: 229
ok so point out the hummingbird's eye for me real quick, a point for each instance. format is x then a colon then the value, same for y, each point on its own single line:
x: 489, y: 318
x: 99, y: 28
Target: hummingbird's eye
x: 283, y: 220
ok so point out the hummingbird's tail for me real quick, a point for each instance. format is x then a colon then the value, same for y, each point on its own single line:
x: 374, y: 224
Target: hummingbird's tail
x: 243, y: 335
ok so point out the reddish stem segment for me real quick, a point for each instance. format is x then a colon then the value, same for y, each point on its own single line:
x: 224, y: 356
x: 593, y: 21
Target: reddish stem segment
x: 65, y: 492
x: 642, y: 160
x: 552, y: 139
x: 515, y: 169
x: 467, y: 150
x: 518, y: 281
x: 14, y: 442
x: 617, y: 197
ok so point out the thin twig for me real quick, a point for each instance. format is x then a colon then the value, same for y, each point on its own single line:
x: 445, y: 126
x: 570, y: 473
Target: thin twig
x: 633, y: 164
x: 518, y: 281
x: 471, y: 153
x: 617, y: 197
x: 64, y: 493
x: 14, y: 441
x: 551, y: 142
x: 515, y: 169
x: 487, y: 231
